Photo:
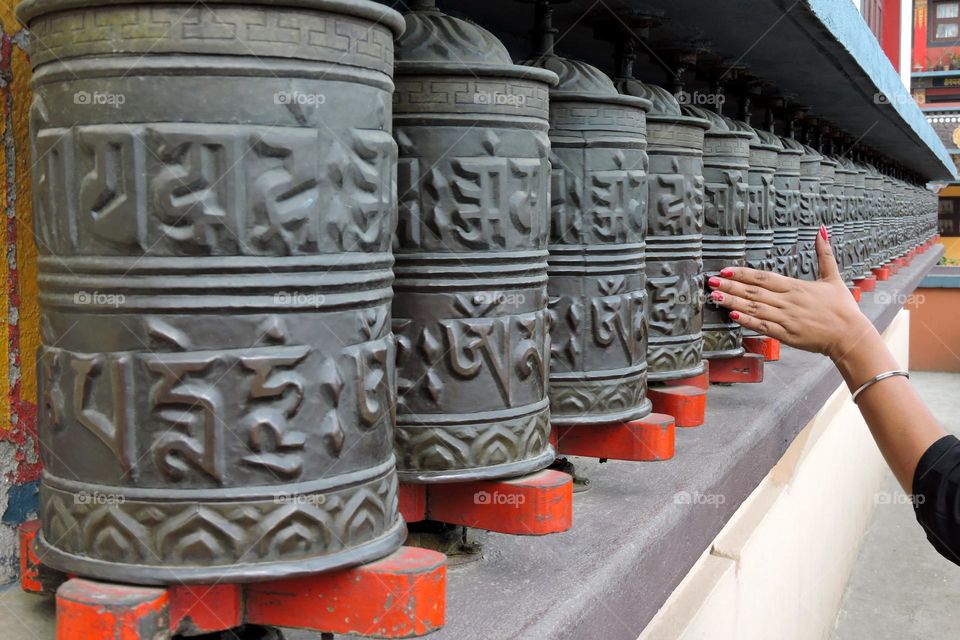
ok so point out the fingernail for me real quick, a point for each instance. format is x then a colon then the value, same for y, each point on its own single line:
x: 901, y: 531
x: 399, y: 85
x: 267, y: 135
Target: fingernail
x: 734, y: 315
x: 717, y: 296
x: 726, y: 272
x: 823, y: 233
x: 714, y: 282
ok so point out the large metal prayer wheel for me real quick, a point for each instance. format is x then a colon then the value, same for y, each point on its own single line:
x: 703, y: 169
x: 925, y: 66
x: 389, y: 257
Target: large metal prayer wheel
x: 216, y: 369
x: 859, y: 227
x: 761, y: 195
x: 873, y: 189
x: 810, y: 215
x: 854, y: 192
x: 846, y: 205
x: 675, y: 280
x: 868, y: 227
x: 726, y: 164
x: 598, y: 365
x: 470, y: 312
x: 786, y: 212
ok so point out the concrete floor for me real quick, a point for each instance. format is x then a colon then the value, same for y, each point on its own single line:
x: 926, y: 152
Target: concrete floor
x: 901, y: 589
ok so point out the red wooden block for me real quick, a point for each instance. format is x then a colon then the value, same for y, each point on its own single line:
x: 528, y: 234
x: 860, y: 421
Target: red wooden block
x: 856, y: 292
x: 88, y: 610
x: 746, y: 368
x: 899, y: 262
x: 687, y: 404
x: 401, y: 596
x: 649, y: 439
x: 882, y: 274
x: 764, y: 346
x: 534, y: 505
x: 413, y: 502
x: 199, y: 609
x: 701, y: 381
x: 35, y: 577
x: 29, y: 563
x: 867, y: 284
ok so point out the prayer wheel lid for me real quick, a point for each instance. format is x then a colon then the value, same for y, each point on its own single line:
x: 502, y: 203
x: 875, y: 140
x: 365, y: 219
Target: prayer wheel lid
x: 789, y: 144
x: 434, y: 41
x: 811, y: 155
x: 771, y: 139
x: 374, y: 11
x: 582, y: 81
x: 718, y: 124
x: 662, y: 102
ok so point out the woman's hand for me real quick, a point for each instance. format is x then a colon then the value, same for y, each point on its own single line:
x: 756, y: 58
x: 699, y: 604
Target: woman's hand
x: 819, y: 316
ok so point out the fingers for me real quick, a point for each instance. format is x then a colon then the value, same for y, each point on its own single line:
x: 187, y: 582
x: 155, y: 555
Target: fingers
x: 746, y: 291
x: 762, y: 279
x: 753, y: 308
x: 765, y: 327
x: 828, y: 263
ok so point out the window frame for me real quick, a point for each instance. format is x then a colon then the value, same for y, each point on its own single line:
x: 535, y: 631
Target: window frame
x: 933, y: 22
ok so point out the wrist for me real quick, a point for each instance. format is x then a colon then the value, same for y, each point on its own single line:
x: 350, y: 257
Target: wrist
x: 857, y: 335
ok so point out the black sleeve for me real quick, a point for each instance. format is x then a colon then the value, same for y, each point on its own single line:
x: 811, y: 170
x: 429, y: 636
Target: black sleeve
x: 936, y: 496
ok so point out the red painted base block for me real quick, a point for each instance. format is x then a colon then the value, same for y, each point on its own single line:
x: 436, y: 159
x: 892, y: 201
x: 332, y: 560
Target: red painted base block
x: 867, y: 284
x: 534, y: 505
x: 882, y: 274
x: 856, y: 292
x: 892, y: 266
x: 900, y: 262
x: 764, y: 346
x: 686, y: 403
x: 745, y: 369
x: 34, y: 576
x: 646, y: 440
x: 701, y: 381
x: 88, y: 610
x: 400, y: 596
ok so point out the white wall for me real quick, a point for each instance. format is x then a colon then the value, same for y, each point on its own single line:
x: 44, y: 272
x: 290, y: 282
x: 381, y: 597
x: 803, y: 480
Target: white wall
x: 906, y: 41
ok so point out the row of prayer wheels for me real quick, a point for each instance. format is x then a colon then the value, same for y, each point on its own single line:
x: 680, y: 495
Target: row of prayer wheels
x: 284, y: 270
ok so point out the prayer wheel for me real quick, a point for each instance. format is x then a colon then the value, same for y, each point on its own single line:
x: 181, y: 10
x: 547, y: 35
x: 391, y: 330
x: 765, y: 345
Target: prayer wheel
x: 216, y: 365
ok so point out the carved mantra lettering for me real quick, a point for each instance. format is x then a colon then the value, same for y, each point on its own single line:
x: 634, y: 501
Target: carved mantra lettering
x: 191, y: 189
x: 678, y: 201
x: 471, y: 204
x: 619, y: 317
x: 724, y: 207
x: 760, y: 199
x: 187, y: 392
x: 479, y: 339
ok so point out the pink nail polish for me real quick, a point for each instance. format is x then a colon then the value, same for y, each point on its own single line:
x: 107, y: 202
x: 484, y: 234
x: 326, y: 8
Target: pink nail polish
x: 714, y: 282
x: 823, y: 233
x: 726, y: 272
x: 717, y: 296
x: 734, y: 315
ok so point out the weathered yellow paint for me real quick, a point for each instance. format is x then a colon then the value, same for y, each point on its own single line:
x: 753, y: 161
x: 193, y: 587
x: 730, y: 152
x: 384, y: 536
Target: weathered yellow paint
x: 4, y: 278
x: 10, y: 27
x: 29, y: 311
x: 951, y: 248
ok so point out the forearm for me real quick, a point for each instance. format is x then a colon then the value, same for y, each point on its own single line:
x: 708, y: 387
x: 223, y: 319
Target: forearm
x: 900, y: 422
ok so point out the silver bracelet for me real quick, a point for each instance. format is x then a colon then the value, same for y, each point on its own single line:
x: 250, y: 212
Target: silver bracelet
x: 875, y: 379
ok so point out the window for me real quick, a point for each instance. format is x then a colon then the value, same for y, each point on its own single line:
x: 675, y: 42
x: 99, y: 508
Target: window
x: 950, y: 216
x: 945, y: 21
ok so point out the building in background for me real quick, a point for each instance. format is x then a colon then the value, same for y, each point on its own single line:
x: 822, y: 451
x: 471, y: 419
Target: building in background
x: 936, y: 88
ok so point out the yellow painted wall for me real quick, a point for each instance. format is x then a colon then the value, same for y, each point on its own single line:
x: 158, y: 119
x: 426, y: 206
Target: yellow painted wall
x: 951, y: 248
x: 19, y: 306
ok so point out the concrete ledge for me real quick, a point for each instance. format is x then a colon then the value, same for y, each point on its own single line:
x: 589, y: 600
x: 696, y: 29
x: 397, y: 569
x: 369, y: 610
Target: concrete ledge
x: 639, y: 529
x: 942, y: 278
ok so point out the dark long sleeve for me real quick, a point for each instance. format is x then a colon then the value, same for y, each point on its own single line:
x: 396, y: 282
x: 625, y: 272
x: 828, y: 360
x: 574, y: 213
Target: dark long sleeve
x: 936, y: 491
